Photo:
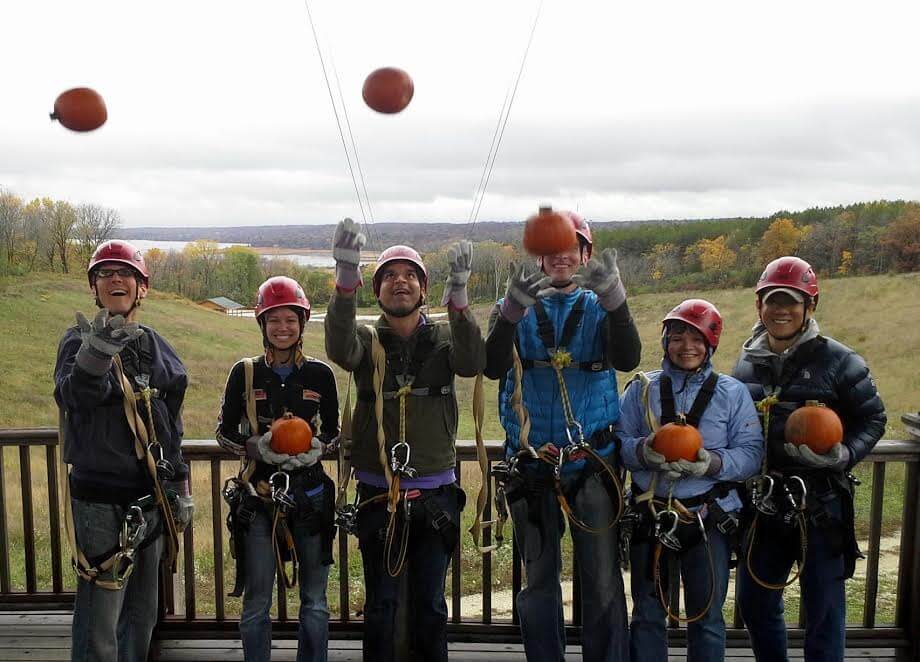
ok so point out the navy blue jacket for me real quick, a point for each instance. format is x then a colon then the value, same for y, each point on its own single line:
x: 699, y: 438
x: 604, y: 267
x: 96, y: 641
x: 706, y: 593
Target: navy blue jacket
x: 100, y: 444
x: 818, y: 369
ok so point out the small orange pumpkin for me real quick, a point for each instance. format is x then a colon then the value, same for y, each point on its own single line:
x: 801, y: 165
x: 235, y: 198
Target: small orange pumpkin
x: 548, y: 232
x: 815, y: 425
x: 80, y: 109
x: 388, y: 90
x: 678, y: 441
x: 291, y: 435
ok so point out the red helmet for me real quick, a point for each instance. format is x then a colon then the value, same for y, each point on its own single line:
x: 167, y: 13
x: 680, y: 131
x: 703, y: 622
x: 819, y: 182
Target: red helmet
x: 582, y: 229
x: 280, y: 291
x: 121, y: 252
x: 395, y: 254
x: 701, y: 315
x: 792, y: 272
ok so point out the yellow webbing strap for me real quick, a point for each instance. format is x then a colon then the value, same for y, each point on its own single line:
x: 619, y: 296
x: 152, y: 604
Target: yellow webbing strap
x: 344, y: 464
x: 645, y: 384
x: 517, y: 402
x: 479, y: 406
x: 248, y: 464
x: 142, y: 440
x: 379, y: 362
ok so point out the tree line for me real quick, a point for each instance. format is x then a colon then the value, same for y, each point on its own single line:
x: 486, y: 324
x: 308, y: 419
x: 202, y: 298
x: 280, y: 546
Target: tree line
x: 865, y: 238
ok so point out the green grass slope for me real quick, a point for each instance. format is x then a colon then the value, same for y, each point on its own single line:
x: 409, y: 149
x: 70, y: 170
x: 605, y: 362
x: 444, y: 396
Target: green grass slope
x: 875, y: 315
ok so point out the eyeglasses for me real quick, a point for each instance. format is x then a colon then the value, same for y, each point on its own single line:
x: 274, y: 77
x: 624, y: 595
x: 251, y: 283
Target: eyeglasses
x: 124, y: 272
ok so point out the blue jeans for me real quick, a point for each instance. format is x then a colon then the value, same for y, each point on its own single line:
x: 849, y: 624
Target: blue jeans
x: 823, y: 595
x: 705, y: 637
x: 422, y: 579
x: 539, y: 605
x: 110, y: 626
x: 255, y: 621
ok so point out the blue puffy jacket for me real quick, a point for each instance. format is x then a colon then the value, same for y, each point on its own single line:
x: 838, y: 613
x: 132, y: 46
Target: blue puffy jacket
x: 729, y: 427
x: 594, y: 395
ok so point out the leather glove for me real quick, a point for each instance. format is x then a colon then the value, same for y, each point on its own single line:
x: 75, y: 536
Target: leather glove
x: 648, y: 456
x: 523, y: 292
x: 460, y: 260
x: 347, y: 243
x: 185, y: 510
x: 602, y: 276
x: 304, y: 460
x: 836, y: 458
x: 706, y: 464
x: 103, y: 339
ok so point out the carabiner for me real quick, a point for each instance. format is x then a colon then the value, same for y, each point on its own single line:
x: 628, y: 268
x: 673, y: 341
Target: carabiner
x: 401, y: 466
x: 668, y: 537
x: 280, y: 495
x: 762, y: 494
x: 796, y: 481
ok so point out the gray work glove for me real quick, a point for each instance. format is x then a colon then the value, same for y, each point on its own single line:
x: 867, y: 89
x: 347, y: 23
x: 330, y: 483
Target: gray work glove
x: 185, y: 510
x: 523, y: 292
x: 103, y: 339
x: 836, y: 458
x: 649, y: 457
x: 266, y: 454
x: 707, y: 464
x: 304, y: 460
x: 347, y: 243
x: 602, y: 276
x: 460, y: 260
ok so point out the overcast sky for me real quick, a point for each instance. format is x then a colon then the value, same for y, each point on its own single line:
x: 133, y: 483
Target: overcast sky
x: 219, y: 113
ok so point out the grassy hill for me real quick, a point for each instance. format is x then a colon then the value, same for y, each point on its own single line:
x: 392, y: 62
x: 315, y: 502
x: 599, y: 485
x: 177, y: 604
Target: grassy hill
x: 875, y: 315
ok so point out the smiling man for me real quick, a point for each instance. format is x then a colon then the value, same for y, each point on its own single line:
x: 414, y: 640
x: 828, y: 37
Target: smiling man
x: 415, y: 435
x: 786, y: 363
x: 120, y: 388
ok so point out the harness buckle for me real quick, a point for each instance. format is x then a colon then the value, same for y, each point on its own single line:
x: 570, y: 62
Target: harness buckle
x: 762, y: 494
x: 728, y: 524
x: 667, y: 533
x: 281, y: 493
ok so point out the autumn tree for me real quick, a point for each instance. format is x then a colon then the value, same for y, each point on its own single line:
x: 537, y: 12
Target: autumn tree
x: 781, y: 238
x: 11, y: 213
x: 902, y: 240
x: 204, y: 255
x: 95, y: 225
x: 663, y: 260
x: 715, y: 255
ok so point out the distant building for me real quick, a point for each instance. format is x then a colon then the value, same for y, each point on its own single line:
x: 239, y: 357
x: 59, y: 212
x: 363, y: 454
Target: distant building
x: 221, y: 305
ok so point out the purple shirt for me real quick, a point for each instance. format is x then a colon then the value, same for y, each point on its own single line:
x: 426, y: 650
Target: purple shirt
x: 429, y: 482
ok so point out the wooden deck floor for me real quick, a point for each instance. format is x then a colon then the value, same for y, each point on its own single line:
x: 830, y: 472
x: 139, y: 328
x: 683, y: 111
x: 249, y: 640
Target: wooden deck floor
x: 45, y: 637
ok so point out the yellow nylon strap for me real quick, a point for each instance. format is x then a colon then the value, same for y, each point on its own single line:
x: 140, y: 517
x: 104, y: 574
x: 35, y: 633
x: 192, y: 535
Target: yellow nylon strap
x: 142, y: 450
x: 653, y: 425
x: 517, y: 402
x: 344, y: 468
x: 248, y: 464
x: 379, y: 361
x: 482, y: 456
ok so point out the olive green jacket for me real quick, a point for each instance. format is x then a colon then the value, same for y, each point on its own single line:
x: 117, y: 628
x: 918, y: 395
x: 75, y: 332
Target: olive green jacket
x: 434, y: 353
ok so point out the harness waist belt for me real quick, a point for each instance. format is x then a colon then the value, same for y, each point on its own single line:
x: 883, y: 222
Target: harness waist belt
x: 587, y: 366
x: 421, y: 392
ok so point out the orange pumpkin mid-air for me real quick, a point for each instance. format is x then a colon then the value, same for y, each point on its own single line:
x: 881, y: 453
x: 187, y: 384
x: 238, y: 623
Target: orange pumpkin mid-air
x: 388, y: 90
x: 80, y: 109
x: 814, y: 425
x: 548, y: 232
x: 678, y: 441
x: 291, y: 435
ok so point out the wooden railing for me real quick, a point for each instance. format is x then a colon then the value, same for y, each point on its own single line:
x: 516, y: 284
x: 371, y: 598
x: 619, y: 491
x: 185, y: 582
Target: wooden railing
x: 34, y: 560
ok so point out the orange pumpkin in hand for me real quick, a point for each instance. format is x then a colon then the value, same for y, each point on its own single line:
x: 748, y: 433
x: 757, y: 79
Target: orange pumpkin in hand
x: 814, y: 425
x: 548, y: 232
x: 678, y: 441
x: 291, y: 435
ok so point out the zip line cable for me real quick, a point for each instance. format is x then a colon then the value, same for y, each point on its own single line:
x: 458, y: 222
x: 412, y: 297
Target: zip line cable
x: 338, y: 121
x: 497, y: 140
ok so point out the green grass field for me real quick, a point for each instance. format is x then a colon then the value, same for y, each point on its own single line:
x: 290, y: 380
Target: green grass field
x: 874, y: 315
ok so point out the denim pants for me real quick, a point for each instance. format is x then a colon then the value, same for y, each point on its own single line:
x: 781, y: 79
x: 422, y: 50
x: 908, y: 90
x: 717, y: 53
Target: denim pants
x: 114, y: 626
x: 823, y: 596
x: 255, y: 621
x: 539, y: 605
x: 421, y: 581
x: 648, y: 640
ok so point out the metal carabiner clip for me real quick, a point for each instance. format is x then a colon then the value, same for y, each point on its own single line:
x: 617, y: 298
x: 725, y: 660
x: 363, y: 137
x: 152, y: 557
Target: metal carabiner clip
x: 401, y: 466
x: 668, y: 537
x: 797, y: 501
x: 280, y: 495
x: 762, y: 494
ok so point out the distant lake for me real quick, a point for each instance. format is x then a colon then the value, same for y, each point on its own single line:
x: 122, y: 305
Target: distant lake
x: 313, y: 259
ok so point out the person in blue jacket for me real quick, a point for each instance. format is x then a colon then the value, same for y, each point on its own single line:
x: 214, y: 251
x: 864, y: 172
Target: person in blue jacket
x: 106, y: 368
x: 571, y: 328
x: 686, y: 389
